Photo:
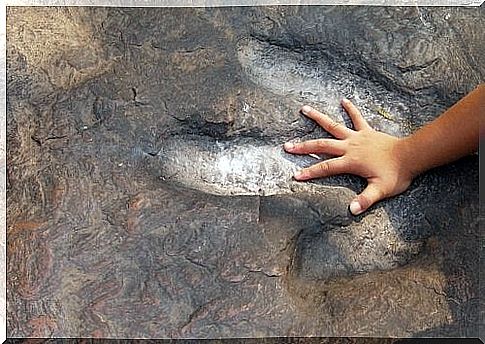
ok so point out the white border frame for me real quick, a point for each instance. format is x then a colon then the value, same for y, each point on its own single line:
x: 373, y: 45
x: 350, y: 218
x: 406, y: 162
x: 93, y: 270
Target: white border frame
x: 219, y: 3
x: 139, y: 3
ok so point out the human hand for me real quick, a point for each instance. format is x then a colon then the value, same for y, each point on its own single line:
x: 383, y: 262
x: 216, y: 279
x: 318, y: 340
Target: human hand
x: 376, y: 156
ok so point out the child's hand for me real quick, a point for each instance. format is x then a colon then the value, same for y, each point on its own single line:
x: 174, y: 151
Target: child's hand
x: 390, y: 163
x: 364, y: 152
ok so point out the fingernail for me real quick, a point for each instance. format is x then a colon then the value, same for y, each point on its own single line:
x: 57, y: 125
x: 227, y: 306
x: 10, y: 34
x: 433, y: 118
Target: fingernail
x: 355, y: 208
x: 345, y: 100
x: 306, y: 109
x: 289, y: 146
x: 298, y: 174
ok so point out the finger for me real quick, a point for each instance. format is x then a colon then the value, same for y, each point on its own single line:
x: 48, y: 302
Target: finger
x: 355, y: 115
x: 323, y: 169
x: 371, y: 194
x: 337, y: 129
x: 328, y: 146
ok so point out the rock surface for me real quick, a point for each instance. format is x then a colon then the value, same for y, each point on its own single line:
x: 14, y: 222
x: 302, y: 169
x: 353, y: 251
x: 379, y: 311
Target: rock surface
x: 149, y: 195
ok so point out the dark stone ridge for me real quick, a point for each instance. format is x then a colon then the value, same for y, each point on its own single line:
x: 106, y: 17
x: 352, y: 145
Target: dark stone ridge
x: 149, y: 195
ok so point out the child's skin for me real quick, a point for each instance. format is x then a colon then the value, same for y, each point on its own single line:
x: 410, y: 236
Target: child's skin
x: 389, y: 163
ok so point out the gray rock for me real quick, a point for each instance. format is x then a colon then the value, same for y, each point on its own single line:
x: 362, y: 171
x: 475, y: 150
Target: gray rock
x: 149, y: 195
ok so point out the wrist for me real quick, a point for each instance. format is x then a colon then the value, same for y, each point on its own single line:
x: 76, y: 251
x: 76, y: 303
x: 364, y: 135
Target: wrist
x: 406, y: 153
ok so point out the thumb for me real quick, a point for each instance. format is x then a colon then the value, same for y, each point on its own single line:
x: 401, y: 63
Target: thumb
x: 371, y: 194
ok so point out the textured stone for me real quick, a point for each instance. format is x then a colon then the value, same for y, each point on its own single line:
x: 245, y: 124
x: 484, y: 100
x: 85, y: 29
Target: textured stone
x: 149, y: 195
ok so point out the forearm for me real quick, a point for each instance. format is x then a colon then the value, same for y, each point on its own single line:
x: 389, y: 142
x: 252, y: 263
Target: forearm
x: 451, y: 136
